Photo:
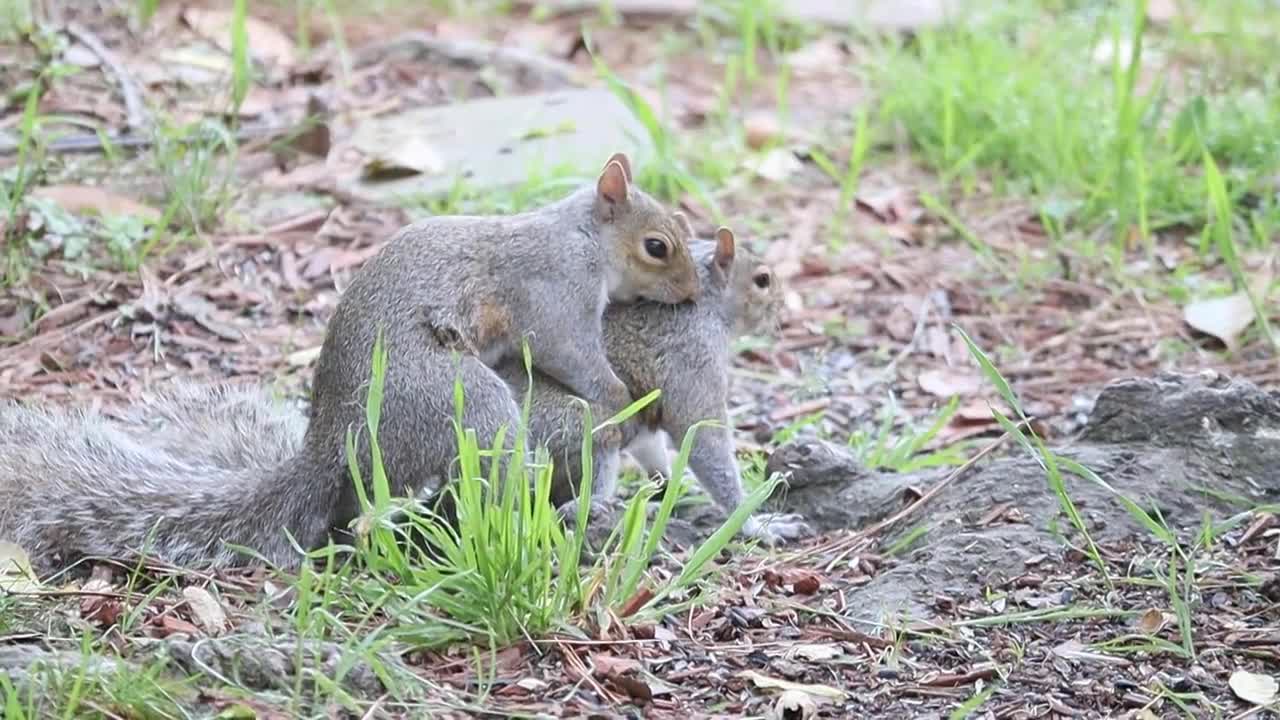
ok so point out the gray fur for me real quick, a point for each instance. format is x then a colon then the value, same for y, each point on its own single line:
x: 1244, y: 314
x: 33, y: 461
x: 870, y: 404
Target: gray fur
x: 79, y: 484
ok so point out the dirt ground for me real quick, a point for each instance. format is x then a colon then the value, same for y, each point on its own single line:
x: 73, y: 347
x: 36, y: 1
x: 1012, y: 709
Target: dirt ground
x: 947, y: 591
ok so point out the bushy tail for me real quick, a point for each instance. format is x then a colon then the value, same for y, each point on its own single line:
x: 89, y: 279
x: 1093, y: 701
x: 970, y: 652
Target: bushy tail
x: 180, y: 476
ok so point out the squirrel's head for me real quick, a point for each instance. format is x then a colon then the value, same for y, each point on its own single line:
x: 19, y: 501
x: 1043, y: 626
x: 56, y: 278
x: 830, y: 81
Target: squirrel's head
x: 646, y: 245
x: 750, y: 289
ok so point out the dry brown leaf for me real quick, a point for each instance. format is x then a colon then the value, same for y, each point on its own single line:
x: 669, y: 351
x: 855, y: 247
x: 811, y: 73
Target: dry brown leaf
x: 89, y: 199
x: 606, y: 664
x: 949, y: 382
x: 97, y: 605
x: 172, y: 624
x: 1224, y: 317
x: 266, y: 42
x: 205, y: 609
x: 1151, y: 621
x: 1254, y: 688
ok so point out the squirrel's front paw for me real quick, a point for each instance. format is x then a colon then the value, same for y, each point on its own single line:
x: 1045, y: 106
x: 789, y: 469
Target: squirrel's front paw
x: 774, y: 529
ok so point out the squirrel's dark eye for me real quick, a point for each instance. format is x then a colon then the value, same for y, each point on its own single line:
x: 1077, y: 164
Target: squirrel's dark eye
x: 761, y: 280
x: 656, y: 247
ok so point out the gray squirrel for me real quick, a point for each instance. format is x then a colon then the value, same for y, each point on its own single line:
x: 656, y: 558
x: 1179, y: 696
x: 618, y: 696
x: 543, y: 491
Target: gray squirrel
x: 451, y: 296
x: 684, y: 351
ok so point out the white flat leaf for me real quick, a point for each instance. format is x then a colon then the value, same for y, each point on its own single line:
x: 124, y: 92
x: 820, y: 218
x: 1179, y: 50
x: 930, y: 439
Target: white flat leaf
x: 1254, y: 688
x: 824, y: 692
x: 776, y: 165
x: 1224, y: 318
x: 205, y: 610
x: 814, y: 653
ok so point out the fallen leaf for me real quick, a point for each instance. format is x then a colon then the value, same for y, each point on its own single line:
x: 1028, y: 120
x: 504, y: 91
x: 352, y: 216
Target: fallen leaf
x: 266, y: 42
x: 89, y: 199
x: 1254, y: 688
x: 303, y: 357
x: 794, y: 704
x: 1074, y: 650
x: 532, y: 684
x: 807, y: 585
x: 410, y: 156
x: 172, y: 625
x: 823, y: 692
x: 606, y: 664
x: 948, y: 382
x: 205, y: 609
x: 776, y: 165
x: 15, y: 569
x: 100, y: 608
x: 637, y: 689
x: 814, y: 652
x: 1151, y: 621
x: 637, y: 601
x: 763, y: 129
x: 1224, y: 317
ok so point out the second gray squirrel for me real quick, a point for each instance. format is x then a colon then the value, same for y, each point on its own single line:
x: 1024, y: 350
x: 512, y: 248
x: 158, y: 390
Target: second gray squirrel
x: 684, y: 351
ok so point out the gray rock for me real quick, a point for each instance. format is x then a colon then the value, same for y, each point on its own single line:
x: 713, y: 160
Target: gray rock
x: 496, y: 143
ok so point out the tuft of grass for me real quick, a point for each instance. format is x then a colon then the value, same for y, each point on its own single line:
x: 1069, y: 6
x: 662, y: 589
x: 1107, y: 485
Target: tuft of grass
x: 241, y: 76
x: 503, y: 569
x: 16, y: 182
x: 58, y: 691
x: 1035, y: 446
x: 666, y: 174
x: 985, y: 103
x: 1219, y: 230
x: 905, y: 452
x: 196, y: 166
x: 17, y: 20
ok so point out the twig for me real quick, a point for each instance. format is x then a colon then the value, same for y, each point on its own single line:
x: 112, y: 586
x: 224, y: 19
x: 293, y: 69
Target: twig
x: 854, y: 539
x: 45, y: 339
x: 573, y: 661
x: 933, y: 491
x: 468, y: 53
x: 138, y: 118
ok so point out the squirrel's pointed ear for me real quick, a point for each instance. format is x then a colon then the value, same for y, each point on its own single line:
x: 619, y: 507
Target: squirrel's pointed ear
x: 611, y: 188
x: 724, y: 249
x: 621, y: 159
